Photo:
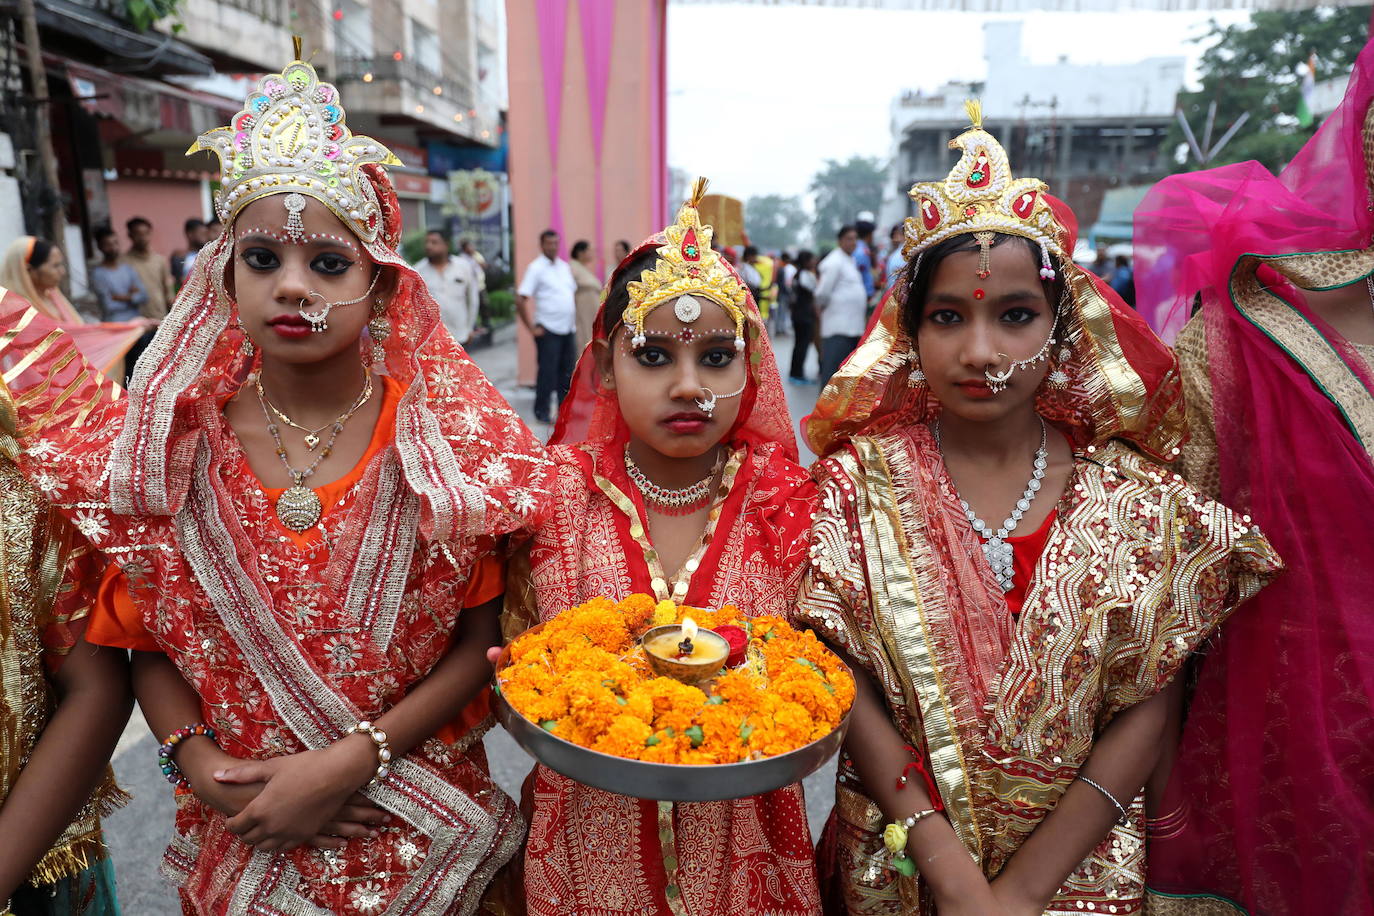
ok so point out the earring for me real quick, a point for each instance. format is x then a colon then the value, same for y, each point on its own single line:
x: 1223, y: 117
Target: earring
x: 379, y: 329
x: 246, y: 348
x: 1057, y: 378
x: 917, y: 378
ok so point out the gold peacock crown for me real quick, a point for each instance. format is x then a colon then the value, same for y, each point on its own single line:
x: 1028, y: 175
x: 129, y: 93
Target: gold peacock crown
x: 686, y: 266
x: 980, y: 196
x: 291, y: 136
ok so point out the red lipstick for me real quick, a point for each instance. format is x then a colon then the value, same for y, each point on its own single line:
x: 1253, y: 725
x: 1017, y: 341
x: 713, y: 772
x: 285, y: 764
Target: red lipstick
x: 686, y: 423
x: 291, y: 327
x: 976, y: 389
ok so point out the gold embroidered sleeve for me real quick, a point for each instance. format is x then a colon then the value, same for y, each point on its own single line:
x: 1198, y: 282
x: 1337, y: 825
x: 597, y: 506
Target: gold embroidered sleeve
x: 1184, y: 564
x: 1198, y: 459
x: 834, y: 589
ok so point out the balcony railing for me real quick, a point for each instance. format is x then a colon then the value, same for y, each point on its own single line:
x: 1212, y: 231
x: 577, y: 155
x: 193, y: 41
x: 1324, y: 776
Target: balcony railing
x: 367, y: 69
x: 270, y: 11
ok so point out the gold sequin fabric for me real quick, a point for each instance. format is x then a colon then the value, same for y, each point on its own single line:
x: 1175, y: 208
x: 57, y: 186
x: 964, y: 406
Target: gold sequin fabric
x: 35, y: 549
x: 1138, y: 569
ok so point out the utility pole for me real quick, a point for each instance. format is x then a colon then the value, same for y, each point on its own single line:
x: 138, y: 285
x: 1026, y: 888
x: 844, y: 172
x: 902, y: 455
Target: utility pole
x: 56, y: 227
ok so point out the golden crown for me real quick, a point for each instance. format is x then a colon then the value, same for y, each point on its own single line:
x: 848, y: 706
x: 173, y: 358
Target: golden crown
x: 291, y: 137
x: 686, y: 266
x: 980, y: 195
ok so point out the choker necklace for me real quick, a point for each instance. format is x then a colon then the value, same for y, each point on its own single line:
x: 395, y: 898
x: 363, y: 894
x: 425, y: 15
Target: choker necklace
x: 668, y: 500
x: 995, y: 546
x: 299, y: 508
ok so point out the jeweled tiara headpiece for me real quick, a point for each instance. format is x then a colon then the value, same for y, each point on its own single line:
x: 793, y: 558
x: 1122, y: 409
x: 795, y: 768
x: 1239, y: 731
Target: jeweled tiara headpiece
x: 291, y: 136
x: 686, y: 266
x: 981, y: 196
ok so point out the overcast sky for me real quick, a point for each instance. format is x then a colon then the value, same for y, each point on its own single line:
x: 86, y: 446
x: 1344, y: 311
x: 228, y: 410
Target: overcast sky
x: 760, y: 97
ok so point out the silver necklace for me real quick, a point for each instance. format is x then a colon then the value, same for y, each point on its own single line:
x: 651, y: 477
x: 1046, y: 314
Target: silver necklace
x: 668, y: 497
x: 1369, y: 283
x: 995, y: 546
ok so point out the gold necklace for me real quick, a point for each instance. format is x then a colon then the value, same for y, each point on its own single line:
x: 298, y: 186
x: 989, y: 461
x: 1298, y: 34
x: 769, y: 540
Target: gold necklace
x: 674, y: 588
x: 312, y: 436
x: 299, y: 508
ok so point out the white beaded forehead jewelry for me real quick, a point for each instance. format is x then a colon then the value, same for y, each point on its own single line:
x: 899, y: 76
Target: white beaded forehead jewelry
x: 304, y: 239
x: 686, y: 335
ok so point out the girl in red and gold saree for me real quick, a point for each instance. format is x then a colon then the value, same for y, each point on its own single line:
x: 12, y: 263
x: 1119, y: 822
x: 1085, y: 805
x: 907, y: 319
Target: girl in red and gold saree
x: 676, y: 477
x: 63, y: 704
x: 1000, y: 548
x: 298, y: 500
x: 1271, y: 801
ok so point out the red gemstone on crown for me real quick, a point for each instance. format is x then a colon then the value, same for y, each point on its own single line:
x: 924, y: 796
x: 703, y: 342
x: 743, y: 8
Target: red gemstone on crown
x: 930, y: 214
x: 1024, y: 205
x: 690, y: 249
x: 969, y: 211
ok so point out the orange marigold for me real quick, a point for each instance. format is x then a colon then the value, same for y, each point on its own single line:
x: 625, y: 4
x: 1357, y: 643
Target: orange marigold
x: 583, y: 677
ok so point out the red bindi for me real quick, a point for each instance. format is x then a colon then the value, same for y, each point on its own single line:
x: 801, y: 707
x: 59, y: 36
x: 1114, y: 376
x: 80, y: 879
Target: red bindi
x: 978, y: 294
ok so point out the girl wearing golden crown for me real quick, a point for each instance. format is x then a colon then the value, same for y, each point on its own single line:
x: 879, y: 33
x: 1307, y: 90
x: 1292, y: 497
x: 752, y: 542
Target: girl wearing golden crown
x: 676, y: 477
x: 1018, y: 668
x: 299, y: 518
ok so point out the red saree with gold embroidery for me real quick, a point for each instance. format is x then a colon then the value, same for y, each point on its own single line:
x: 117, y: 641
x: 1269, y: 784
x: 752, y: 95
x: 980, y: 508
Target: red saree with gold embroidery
x: 290, y: 641
x: 1137, y: 569
x: 598, y: 854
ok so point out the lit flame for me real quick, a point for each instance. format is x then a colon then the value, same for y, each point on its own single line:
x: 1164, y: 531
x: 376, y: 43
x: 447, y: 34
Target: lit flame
x: 689, y: 628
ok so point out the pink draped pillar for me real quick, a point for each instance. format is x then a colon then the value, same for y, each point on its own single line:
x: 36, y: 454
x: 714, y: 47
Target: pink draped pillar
x: 586, y: 127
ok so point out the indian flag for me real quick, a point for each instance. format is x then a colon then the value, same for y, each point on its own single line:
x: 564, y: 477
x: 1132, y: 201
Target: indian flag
x: 1309, y: 88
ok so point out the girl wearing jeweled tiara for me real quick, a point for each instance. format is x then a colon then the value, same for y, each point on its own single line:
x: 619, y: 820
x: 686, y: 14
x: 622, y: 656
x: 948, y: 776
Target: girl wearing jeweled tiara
x: 298, y: 500
x: 1001, y: 550
x: 676, y: 477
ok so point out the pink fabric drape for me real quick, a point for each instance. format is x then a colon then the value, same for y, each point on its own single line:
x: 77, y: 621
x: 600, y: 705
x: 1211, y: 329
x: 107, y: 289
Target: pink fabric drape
x: 552, y: 17
x: 1276, y: 768
x: 598, y: 28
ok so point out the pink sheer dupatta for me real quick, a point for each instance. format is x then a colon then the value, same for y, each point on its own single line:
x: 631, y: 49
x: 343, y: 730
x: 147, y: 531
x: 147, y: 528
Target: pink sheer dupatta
x: 1274, y: 785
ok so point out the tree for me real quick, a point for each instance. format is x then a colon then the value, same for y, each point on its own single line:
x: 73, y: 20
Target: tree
x: 843, y: 189
x: 775, y: 222
x: 1254, y: 67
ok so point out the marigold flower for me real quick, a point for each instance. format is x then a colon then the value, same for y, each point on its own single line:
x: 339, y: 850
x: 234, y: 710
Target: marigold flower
x: 584, y: 677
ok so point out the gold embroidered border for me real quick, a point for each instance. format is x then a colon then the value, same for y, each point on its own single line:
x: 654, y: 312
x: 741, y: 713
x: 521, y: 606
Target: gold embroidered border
x: 1287, y: 327
x: 900, y: 610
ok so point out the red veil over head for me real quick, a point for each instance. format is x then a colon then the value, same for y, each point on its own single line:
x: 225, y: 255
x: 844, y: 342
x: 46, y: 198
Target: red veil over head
x: 198, y: 353
x: 1277, y: 763
x: 591, y: 413
x: 1122, y: 380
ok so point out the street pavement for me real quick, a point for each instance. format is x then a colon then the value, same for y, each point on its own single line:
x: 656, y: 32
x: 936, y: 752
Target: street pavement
x: 138, y: 834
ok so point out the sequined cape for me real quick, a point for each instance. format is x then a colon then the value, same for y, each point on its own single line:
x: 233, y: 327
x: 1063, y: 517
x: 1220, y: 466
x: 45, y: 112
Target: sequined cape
x: 1138, y: 569
x: 41, y: 611
x: 597, y: 854
x: 289, y: 644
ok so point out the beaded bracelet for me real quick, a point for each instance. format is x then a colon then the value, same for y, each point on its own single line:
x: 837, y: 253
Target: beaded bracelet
x: 164, y: 752
x: 894, y: 838
x: 383, y: 749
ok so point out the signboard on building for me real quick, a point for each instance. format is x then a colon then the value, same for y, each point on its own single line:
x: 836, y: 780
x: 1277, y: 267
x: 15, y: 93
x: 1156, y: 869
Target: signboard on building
x: 476, y: 208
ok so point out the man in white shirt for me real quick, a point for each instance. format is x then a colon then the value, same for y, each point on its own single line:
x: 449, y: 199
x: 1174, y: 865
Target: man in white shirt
x: 843, y: 303
x: 546, y: 307
x: 451, y: 284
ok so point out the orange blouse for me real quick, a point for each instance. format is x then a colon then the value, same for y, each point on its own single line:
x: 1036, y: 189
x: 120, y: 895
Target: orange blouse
x: 114, y: 621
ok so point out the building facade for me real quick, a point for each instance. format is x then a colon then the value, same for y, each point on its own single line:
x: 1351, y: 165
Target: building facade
x: 1086, y: 129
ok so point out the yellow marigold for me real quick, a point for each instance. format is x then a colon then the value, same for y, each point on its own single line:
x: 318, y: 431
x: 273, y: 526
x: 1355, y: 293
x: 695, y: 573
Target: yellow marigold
x: 584, y: 678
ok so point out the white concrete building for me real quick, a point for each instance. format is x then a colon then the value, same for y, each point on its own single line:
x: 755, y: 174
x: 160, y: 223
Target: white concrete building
x: 1083, y: 128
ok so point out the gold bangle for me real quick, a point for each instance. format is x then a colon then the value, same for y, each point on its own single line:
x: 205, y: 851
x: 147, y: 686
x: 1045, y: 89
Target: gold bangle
x: 383, y: 751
